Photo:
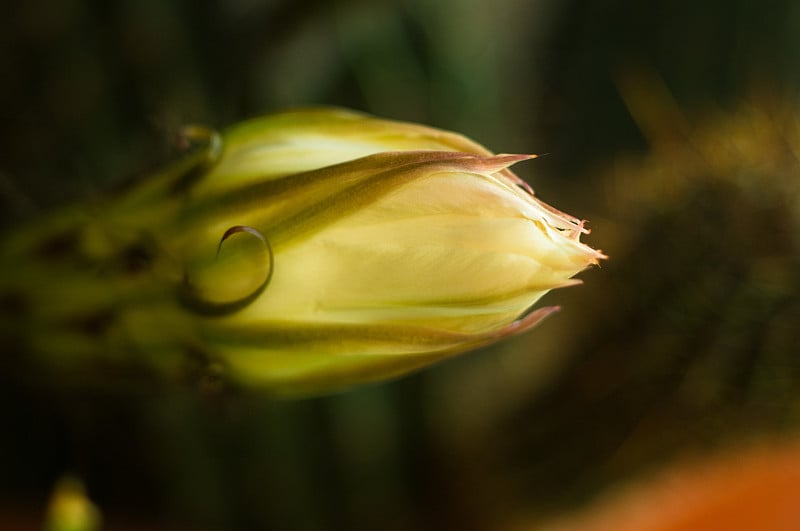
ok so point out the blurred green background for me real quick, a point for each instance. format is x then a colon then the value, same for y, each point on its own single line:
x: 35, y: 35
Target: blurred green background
x: 672, y: 126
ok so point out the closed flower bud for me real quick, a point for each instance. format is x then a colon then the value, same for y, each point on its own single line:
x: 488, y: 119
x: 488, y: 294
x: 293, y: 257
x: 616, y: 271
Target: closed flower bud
x: 389, y: 246
x: 317, y: 249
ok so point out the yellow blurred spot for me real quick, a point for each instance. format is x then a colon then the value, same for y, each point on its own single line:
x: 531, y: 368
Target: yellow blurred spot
x: 70, y: 509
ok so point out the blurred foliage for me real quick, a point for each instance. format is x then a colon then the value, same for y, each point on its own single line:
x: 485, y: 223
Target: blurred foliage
x: 689, y: 342
x: 684, y: 341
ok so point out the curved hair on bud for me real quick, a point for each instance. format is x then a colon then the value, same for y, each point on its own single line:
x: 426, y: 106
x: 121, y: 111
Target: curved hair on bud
x: 191, y: 297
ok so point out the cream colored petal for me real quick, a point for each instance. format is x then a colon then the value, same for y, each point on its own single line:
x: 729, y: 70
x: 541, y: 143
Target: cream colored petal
x: 421, y: 255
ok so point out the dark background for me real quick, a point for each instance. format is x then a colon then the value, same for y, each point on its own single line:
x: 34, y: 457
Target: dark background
x: 671, y: 126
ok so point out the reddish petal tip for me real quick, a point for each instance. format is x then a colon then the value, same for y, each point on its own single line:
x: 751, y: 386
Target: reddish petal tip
x: 527, y: 322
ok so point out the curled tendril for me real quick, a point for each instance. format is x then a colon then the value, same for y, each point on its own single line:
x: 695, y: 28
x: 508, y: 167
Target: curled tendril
x: 191, y: 297
x: 243, y: 228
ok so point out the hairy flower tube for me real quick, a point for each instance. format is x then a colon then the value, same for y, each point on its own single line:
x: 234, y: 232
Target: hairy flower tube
x: 299, y: 252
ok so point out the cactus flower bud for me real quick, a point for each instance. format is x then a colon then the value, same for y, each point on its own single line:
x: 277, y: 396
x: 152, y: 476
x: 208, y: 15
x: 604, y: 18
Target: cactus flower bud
x: 316, y: 249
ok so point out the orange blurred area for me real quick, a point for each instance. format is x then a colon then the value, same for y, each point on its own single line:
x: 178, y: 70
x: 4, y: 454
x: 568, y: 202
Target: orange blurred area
x: 752, y: 490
